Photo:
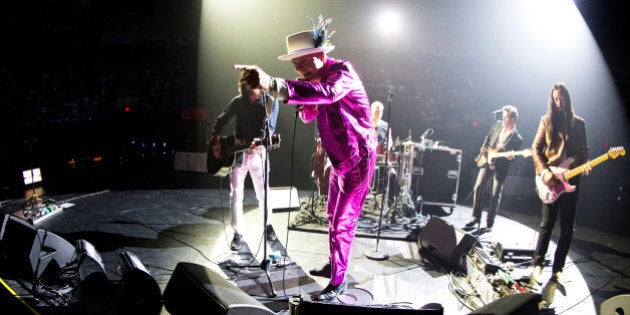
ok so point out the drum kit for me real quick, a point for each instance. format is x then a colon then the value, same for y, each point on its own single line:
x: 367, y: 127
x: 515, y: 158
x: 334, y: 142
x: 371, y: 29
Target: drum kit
x: 397, y: 175
x: 402, y: 193
x: 405, y: 159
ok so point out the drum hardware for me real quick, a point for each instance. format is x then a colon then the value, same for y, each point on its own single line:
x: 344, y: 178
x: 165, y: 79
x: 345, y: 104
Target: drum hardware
x: 319, y: 193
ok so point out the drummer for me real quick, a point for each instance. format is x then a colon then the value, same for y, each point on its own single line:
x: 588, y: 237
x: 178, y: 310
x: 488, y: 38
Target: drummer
x: 382, y: 129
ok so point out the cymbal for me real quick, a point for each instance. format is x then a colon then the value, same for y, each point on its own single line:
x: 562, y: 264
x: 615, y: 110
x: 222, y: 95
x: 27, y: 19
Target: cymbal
x: 407, y: 143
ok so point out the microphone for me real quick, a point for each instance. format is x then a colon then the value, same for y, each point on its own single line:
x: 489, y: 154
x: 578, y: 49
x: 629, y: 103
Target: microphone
x: 497, y: 112
x: 427, y: 133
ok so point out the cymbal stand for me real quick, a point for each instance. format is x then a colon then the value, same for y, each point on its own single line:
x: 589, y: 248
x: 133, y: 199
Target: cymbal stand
x: 315, y: 201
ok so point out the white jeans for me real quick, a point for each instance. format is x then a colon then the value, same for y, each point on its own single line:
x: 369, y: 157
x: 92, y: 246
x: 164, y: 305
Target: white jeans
x: 253, y: 162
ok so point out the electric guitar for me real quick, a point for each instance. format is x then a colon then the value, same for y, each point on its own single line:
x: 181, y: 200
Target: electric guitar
x: 488, y: 159
x: 223, y: 154
x: 563, y: 174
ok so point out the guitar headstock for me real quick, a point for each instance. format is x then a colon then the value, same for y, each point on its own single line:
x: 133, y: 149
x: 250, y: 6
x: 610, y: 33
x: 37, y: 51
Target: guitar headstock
x: 275, y: 141
x: 614, y: 152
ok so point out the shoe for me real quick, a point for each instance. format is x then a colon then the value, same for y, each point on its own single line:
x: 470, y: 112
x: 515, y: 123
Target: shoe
x: 331, y: 292
x: 472, y: 223
x: 557, y: 276
x: 488, y: 229
x: 237, y: 242
x: 323, y: 271
x: 271, y: 234
x: 537, y: 275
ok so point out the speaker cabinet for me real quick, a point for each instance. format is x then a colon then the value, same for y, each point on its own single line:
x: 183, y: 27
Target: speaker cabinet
x: 90, y: 292
x: 54, y: 252
x: 194, y: 289
x: 441, y: 167
x: 515, y: 304
x: 139, y: 292
x: 27, y: 251
x: 447, y: 244
x: 19, y: 256
x: 317, y: 308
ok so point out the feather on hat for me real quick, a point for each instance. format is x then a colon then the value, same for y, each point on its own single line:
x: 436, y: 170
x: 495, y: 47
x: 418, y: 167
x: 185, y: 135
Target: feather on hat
x: 308, y: 42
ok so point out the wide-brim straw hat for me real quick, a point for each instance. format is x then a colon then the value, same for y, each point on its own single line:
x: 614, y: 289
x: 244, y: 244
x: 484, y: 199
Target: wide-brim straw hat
x: 302, y: 44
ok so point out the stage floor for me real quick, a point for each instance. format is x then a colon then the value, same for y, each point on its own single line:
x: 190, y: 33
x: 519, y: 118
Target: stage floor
x: 165, y: 226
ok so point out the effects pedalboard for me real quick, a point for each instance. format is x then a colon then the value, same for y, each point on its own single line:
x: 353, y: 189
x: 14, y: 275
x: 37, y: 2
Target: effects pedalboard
x: 490, y: 278
x: 39, y: 211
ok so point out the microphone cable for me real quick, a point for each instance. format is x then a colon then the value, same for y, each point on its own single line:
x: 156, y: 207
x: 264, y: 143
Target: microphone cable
x: 291, y: 174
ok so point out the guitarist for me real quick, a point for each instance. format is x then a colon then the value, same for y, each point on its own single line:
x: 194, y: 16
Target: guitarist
x: 561, y: 134
x: 254, y: 111
x: 502, y: 136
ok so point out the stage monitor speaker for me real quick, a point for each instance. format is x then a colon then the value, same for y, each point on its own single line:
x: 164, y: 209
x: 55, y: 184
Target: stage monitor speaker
x: 19, y: 256
x: 317, y: 308
x: 514, y: 304
x: 54, y: 252
x: 194, y: 289
x: 94, y: 282
x: 446, y: 243
x: 28, y: 251
x: 139, y: 293
x: 284, y: 198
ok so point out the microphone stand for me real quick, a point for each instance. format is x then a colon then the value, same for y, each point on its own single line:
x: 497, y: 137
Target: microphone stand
x: 266, y: 143
x: 375, y: 254
x: 264, y: 265
x: 30, y: 207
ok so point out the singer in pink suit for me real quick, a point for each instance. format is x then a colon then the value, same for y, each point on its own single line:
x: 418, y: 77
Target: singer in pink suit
x: 330, y: 91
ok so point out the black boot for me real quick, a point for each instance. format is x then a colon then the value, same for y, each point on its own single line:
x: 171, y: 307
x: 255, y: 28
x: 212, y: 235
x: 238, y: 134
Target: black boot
x: 331, y: 292
x: 323, y: 271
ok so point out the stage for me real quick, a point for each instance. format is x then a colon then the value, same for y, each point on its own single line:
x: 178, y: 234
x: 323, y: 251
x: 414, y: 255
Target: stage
x: 168, y: 225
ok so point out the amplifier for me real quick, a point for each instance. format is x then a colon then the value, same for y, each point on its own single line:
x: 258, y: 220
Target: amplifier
x: 441, y: 167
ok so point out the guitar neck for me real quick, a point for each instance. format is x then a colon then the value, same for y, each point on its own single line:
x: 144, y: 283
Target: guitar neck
x: 580, y: 169
x: 275, y: 139
x: 239, y: 148
x: 506, y: 153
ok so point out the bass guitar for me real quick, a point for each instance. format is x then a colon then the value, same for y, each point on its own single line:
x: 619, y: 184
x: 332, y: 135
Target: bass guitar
x: 221, y: 155
x: 488, y: 158
x: 550, y: 194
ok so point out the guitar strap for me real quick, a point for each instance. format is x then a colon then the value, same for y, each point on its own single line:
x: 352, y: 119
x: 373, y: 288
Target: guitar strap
x: 269, y: 104
x: 568, y: 142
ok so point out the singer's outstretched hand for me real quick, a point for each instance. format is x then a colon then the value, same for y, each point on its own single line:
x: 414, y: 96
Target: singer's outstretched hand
x: 255, y: 77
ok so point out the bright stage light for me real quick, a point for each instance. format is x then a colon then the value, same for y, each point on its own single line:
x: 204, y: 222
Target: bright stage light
x: 389, y: 22
x: 32, y: 176
x: 550, y: 19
